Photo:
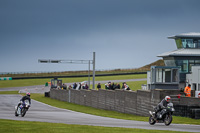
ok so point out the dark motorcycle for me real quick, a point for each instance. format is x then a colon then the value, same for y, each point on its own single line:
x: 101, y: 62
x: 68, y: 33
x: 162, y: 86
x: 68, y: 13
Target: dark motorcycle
x: 164, y: 116
x: 22, y: 108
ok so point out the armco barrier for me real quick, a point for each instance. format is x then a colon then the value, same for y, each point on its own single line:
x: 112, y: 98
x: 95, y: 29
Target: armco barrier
x: 131, y: 102
x: 5, y: 78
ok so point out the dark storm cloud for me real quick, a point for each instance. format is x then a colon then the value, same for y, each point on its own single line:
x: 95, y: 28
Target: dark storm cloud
x: 105, y: 26
x: 46, y: 16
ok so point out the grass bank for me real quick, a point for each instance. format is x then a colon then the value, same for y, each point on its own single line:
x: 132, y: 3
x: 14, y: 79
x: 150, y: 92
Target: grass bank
x: 11, y: 126
x: 30, y: 82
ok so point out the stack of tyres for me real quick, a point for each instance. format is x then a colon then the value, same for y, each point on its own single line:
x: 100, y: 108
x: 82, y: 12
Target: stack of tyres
x: 47, y: 94
x: 177, y: 110
x: 197, y: 113
x: 187, y: 111
x: 190, y: 110
x: 193, y: 113
x: 183, y: 112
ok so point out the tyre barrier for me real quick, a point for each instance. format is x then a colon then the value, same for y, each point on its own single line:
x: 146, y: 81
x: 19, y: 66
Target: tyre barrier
x: 196, y: 113
x: 5, y: 78
x: 187, y: 111
x: 47, y: 94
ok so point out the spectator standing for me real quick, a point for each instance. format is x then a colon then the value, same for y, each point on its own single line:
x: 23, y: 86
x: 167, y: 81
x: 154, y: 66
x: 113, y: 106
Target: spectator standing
x: 79, y: 86
x: 86, y: 86
x: 123, y: 85
x: 112, y: 86
x: 64, y: 86
x: 127, y: 87
x: 117, y: 86
x: 187, y: 91
x: 98, y: 86
x: 109, y: 86
x: 70, y: 87
x: 106, y: 86
x: 74, y: 86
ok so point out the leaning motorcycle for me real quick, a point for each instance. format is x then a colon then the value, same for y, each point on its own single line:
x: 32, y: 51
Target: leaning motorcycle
x: 164, y: 116
x: 22, y: 108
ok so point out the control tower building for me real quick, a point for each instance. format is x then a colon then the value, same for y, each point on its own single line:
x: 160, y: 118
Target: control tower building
x: 185, y: 56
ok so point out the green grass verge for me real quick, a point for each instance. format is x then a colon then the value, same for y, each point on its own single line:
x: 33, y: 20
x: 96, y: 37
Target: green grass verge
x: 30, y: 82
x: 9, y: 92
x: 11, y: 126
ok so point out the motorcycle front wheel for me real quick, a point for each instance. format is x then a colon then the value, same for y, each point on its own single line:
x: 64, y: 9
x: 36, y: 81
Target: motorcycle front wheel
x: 151, y: 120
x: 168, y: 119
x: 23, y: 111
x: 16, y: 114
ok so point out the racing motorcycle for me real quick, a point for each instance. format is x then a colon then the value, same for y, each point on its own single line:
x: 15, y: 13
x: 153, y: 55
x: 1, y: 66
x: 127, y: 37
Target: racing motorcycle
x: 22, y: 108
x: 163, y: 116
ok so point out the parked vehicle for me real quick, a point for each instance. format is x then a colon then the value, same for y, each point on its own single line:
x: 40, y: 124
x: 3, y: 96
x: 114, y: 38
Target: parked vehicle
x: 22, y: 108
x: 164, y: 116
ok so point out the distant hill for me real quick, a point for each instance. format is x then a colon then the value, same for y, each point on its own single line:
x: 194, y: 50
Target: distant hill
x: 140, y: 69
x: 69, y: 73
x: 156, y: 63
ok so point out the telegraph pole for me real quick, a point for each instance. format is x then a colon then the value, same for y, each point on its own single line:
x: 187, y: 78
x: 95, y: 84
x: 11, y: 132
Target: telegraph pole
x: 89, y: 73
x: 93, y: 70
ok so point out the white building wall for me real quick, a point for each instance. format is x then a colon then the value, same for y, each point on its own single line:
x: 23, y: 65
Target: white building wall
x: 189, y: 79
x: 194, y: 79
x: 195, y: 74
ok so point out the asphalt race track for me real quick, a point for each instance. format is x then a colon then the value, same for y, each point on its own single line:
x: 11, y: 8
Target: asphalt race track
x: 45, y: 113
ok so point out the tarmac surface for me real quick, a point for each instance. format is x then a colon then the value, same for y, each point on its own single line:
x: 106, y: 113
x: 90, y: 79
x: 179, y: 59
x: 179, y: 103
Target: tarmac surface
x: 46, y: 113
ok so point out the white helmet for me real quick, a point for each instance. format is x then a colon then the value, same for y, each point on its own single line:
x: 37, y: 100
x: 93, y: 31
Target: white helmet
x: 167, y: 98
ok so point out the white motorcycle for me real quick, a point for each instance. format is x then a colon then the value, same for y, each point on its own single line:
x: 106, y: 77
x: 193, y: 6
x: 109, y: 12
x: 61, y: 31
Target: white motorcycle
x: 22, y: 108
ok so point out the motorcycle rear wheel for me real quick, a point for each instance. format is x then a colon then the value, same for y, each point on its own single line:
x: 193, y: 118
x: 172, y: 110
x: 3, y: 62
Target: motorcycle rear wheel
x: 168, y: 120
x: 151, y: 120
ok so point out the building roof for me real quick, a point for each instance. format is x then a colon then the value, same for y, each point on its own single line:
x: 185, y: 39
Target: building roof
x: 181, y: 52
x: 186, y: 35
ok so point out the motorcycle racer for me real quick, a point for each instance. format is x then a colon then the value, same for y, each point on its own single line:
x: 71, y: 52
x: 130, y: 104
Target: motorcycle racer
x: 162, y: 105
x: 27, y: 97
x: 23, y: 105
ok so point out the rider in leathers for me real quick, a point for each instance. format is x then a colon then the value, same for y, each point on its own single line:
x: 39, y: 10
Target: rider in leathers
x: 27, y: 97
x: 162, y: 105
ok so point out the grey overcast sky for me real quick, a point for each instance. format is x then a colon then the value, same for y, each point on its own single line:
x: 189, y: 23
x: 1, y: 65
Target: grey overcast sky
x: 123, y: 33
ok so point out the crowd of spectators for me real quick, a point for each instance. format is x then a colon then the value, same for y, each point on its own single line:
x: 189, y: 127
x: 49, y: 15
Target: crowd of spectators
x: 76, y: 86
x: 113, y: 86
x: 79, y: 86
x: 108, y: 86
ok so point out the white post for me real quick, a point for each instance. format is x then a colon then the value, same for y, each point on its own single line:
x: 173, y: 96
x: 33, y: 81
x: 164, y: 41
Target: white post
x: 69, y: 95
